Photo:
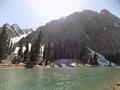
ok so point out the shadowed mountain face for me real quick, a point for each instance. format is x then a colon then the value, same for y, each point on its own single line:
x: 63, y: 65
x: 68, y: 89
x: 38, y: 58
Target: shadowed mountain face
x: 68, y: 37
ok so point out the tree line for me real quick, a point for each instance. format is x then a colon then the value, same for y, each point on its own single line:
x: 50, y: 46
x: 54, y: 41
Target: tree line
x: 29, y: 57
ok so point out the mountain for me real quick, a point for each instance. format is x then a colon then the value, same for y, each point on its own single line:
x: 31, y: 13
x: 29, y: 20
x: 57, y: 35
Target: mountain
x: 74, y: 33
x: 14, y: 30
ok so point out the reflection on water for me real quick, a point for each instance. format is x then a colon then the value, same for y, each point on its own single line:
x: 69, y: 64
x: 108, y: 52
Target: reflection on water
x: 57, y: 79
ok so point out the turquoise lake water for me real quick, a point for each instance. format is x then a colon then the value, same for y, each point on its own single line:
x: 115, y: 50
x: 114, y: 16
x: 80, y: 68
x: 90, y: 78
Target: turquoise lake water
x: 95, y: 78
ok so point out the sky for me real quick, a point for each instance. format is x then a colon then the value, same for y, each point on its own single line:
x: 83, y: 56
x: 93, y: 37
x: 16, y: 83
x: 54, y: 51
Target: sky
x: 35, y: 13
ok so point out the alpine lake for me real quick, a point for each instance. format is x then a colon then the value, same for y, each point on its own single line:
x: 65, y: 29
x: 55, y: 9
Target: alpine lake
x: 83, y: 78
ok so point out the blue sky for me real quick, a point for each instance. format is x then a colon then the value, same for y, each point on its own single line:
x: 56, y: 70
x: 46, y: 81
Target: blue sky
x: 34, y: 13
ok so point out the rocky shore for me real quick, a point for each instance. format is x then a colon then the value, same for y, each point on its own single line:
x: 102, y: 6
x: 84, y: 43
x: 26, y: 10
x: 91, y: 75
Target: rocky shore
x: 20, y: 66
x: 116, y: 86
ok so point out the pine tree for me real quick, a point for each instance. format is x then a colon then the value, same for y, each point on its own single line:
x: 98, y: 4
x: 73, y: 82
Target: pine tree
x: 11, y: 47
x: 35, y: 49
x: 26, y: 53
x: 4, y: 44
x: 20, y: 51
x: 45, y: 53
x: 95, y: 59
x: 91, y: 62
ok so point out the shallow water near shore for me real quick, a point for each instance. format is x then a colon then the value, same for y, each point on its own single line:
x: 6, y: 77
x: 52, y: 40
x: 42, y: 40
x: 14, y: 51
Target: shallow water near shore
x: 87, y: 78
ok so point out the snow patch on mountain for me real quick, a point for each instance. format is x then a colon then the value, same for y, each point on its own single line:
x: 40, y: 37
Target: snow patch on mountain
x: 116, y: 25
x: 16, y: 39
x: 24, y: 48
x: 16, y: 50
x: 30, y: 45
x: 102, y: 61
x: 28, y: 31
x: 42, y: 50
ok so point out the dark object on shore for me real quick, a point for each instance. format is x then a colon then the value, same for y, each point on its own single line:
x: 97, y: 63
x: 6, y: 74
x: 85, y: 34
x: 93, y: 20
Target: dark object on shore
x: 118, y: 84
x: 28, y: 65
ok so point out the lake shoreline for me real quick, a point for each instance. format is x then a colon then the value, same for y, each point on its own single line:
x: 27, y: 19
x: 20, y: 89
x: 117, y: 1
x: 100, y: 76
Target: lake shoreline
x: 22, y: 66
x: 19, y: 66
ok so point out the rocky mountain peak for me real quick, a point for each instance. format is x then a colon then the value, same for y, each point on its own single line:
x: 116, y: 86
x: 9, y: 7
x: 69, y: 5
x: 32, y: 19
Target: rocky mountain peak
x: 104, y: 12
x: 15, y: 26
x: 7, y: 25
x: 14, y: 30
